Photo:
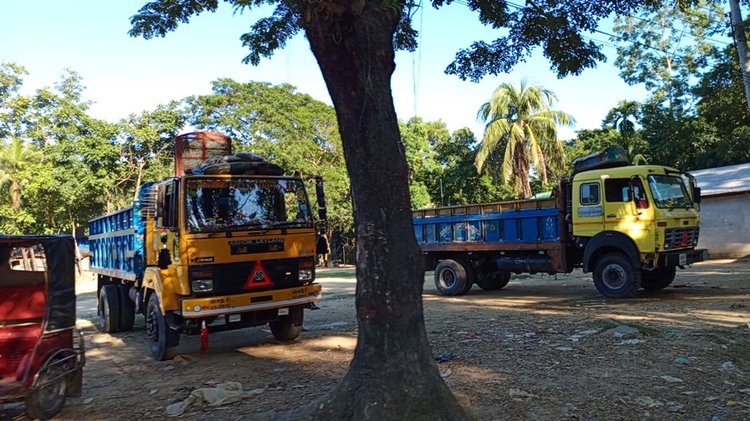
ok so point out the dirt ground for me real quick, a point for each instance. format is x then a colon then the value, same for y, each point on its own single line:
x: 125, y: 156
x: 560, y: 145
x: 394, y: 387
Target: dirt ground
x: 543, y: 348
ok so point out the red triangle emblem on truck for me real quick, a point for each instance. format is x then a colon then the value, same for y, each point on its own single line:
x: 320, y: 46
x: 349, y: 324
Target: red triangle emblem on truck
x: 258, y: 277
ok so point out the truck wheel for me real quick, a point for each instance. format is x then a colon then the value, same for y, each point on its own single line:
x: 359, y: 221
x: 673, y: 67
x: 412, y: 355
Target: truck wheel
x: 109, y: 309
x: 493, y: 280
x: 47, y: 401
x: 658, y: 278
x: 615, y: 276
x: 127, y: 307
x: 288, y: 327
x: 163, y: 340
x: 452, y: 278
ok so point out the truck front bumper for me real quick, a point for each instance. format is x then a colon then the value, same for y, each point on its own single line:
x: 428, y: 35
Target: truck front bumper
x: 253, y: 301
x: 682, y: 258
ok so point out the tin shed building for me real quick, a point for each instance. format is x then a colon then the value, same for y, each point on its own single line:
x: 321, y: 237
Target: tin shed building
x: 725, y: 210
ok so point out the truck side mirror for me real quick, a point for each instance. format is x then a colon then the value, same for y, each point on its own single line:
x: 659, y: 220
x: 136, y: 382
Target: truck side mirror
x: 696, y: 194
x: 164, y: 259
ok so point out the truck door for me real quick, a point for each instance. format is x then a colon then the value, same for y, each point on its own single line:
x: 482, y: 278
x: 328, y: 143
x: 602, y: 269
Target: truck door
x: 587, y: 209
x: 623, y: 210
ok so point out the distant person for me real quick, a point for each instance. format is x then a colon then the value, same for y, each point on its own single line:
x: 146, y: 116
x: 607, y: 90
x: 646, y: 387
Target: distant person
x: 322, y: 249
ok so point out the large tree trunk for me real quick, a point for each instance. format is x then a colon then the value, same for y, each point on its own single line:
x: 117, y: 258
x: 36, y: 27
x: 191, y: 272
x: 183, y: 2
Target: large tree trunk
x: 393, y: 374
x: 522, y: 169
x: 740, y: 41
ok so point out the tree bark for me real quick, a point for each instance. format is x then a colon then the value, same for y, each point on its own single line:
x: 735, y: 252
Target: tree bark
x: 740, y: 42
x: 15, y: 188
x: 393, y: 374
x: 522, y: 168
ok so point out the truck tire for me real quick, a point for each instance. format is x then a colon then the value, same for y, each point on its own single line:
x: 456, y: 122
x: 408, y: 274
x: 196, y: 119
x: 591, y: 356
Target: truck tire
x: 452, y: 278
x: 657, y: 279
x: 288, y: 327
x: 109, y: 309
x: 127, y: 307
x: 163, y: 340
x: 615, y: 276
x: 490, y: 281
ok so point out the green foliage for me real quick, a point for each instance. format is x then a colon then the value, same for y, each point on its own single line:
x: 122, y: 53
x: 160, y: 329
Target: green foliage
x: 666, y: 47
x: 418, y: 138
x: 555, y: 25
x: 291, y: 129
x: 457, y: 180
x: 721, y: 94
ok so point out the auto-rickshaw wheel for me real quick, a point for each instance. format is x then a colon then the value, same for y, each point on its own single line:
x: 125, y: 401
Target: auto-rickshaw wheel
x: 48, y: 400
x: 163, y: 340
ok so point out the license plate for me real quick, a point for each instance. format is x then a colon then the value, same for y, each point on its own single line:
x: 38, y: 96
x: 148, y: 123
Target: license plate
x: 284, y: 311
x: 683, y: 259
x: 235, y: 318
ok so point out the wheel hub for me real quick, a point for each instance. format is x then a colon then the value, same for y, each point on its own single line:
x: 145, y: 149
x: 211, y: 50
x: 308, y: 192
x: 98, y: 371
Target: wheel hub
x: 448, y: 278
x: 614, y: 276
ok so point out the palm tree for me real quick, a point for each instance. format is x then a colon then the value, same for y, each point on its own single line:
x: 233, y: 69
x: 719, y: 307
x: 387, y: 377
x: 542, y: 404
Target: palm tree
x: 14, y: 158
x: 522, y: 121
x: 623, y: 118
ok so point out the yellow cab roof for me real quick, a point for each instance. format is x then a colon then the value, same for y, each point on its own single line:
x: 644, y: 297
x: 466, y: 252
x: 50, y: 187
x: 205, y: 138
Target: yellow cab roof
x: 625, y: 172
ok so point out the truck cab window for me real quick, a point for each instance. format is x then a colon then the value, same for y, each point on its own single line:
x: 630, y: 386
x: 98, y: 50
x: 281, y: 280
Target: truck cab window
x: 245, y: 203
x: 617, y: 190
x: 167, y: 216
x: 590, y: 194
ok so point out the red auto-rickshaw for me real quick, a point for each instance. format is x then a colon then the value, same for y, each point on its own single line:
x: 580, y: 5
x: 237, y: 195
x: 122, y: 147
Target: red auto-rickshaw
x: 41, y: 352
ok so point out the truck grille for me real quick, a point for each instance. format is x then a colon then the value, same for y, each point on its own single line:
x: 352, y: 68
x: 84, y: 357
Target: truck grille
x: 677, y: 238
x: 230, y: 278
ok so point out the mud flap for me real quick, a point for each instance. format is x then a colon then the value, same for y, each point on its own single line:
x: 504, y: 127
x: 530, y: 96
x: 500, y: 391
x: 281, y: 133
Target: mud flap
x: 75, y: 383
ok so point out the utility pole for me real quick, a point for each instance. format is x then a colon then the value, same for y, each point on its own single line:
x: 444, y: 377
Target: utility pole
x: 740, y: 42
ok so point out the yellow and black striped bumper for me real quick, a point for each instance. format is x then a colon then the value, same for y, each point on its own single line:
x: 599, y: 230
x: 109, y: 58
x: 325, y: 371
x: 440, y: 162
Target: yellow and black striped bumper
x: 253, y: 301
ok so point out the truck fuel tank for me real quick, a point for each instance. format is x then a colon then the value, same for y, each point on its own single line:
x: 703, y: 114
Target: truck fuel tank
x: 531, y: 263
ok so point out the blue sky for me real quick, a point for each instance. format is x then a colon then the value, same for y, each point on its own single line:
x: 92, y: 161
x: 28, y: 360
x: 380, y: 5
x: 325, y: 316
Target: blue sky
x: 125, y: 75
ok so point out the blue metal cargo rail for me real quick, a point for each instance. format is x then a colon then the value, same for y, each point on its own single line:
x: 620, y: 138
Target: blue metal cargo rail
x: 116, y: 241
x: 501, y: 223
x: 114, y: 246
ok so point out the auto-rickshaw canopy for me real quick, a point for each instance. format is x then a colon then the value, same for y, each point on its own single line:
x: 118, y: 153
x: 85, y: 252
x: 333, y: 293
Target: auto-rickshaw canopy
x: 59, y: 252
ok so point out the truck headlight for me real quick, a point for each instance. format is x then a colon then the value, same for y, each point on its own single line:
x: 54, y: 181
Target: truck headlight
x: 203, y: 285
x: 305, y: 274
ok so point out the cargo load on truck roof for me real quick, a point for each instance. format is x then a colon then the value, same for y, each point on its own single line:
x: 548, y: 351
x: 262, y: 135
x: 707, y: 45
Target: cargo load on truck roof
x: 241, y: 163
x: 613, y: 156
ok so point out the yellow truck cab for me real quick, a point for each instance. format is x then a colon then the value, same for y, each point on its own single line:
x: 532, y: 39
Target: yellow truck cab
x: 648, y: 214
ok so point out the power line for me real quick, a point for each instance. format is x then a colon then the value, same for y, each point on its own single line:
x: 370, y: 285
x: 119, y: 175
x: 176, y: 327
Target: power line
x: 684, y: 29
x: 622, y: 39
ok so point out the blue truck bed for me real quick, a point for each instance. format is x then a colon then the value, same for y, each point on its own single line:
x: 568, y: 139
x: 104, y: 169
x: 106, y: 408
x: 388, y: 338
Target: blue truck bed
x: 116, y: 241
x: 504, y: 223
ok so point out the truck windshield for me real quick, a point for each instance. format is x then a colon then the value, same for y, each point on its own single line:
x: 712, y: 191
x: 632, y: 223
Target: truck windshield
x: 669, y: 191
x: 231, y: 204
